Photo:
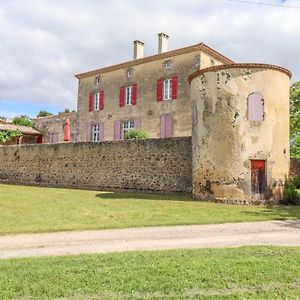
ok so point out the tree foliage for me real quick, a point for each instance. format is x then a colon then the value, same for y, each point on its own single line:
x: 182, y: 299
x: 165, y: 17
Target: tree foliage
x: 22, y: 120
x: 66, y: 111
x: 8, y: 135
x: 44, y: 113
x: 295, y: 119
x: 136, y: 134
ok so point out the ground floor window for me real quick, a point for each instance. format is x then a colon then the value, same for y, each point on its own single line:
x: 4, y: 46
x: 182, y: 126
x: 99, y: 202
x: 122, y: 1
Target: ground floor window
x: 127, y: 125
x: 96, y: 133
x: 53, y: 138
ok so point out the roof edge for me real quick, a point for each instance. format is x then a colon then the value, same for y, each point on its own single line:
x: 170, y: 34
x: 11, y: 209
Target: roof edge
x: 240, y: 66
x: 163, y: 55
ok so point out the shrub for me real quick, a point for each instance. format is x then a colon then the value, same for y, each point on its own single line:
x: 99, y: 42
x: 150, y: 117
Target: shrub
x: 296, y: 181
x: 290, y: 194
x: 8, y: 135
x: 136, y: 134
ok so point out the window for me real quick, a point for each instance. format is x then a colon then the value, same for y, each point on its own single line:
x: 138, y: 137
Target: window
x: 96, y: 101
x: 96, y: 133
x: 128, y: 95
x: 127, y: 125
x: 212, y: 62
x: 166, y: 126
x: 167, y: 89
x: 258, y: 176
x: 255, y: 107
x: 129, y: 73
x: 168, y: 65
x: 98, y: 80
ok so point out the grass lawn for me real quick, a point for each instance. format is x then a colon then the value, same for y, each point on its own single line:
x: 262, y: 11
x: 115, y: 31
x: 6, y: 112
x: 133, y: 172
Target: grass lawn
x: 36, y: 209
x: 230, y: 273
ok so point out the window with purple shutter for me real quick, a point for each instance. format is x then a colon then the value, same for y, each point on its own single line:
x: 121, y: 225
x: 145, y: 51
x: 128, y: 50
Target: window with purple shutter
x: 166, y: 126
x: 117, y: 131
x: 255, y: 107
x: 137, y: 124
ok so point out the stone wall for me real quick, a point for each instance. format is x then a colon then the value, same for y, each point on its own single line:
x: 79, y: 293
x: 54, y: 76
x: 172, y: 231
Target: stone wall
x: 153, y: 164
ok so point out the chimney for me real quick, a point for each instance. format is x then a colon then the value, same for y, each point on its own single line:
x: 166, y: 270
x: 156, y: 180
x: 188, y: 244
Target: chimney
x: 162, y: 43
x: 138, y: 51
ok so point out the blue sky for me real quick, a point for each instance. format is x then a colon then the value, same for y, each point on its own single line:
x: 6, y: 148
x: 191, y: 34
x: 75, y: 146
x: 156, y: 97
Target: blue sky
x: 45, y: 43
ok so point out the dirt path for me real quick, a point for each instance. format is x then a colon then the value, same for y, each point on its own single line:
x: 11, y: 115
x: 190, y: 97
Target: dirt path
x: 284, y: 233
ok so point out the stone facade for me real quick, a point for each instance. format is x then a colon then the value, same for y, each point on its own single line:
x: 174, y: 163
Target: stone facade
x: 148, y: 112
x: 152, y: 164
x: 228, y: 145
x: 52, y: 127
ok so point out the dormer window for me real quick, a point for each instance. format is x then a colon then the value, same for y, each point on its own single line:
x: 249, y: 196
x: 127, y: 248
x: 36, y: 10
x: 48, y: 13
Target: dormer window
x: 98, y: 80
x: 168, y: 65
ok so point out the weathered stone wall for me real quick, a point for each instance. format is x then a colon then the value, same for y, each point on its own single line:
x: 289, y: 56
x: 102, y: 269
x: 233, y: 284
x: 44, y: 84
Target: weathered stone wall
x: 154, y: 164
x: 225, y: 140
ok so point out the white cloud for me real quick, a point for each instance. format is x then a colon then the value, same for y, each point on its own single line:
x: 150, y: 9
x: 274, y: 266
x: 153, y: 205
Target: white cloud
x: 44, y: 43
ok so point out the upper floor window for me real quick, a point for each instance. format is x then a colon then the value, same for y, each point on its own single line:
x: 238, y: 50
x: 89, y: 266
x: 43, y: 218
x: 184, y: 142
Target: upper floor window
x: 96, y: 133
x: 98, y: 80
x: 96, y: 101
x: 167, y: 89
x: 255, y: 107
x: 128, y: 95
x: 129, y: 73
x: 168, y: 65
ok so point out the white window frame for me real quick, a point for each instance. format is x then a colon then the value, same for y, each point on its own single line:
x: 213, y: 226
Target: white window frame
x: 126, y: 126
x: 167, y: 89
x: 129, y: 73
x: 168, y: 65
x: 96, y: 101
x: 128, y: 95
x: 95, y: 132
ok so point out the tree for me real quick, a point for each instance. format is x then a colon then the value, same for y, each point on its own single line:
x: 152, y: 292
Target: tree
x: 44, y: 113
x: 295, y: 119
x: 66, y: 111
x: 22, y: 120
x: 7, y: 135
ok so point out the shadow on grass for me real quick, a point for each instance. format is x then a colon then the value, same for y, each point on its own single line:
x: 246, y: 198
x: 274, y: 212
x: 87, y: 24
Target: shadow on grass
x: 278, y: 212
x: 146, y: 196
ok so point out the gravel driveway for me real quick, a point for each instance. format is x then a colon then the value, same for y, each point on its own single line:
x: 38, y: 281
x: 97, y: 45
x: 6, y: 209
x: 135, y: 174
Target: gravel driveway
x: 281, y: 233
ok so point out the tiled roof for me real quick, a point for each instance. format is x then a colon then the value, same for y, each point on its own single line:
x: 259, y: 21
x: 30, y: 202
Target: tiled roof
x: 165, y: 55
x: 239, y: 66
x: 23, y: 129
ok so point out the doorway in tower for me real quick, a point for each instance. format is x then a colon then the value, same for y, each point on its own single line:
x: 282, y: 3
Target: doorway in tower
x: 258, y: 177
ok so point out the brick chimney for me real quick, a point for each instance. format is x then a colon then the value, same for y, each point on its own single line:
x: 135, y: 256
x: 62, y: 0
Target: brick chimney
x: 163, y: 41
x: 138, y: 49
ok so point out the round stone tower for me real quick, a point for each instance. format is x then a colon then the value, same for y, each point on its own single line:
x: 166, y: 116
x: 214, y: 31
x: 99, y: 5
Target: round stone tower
x: 240, y: 133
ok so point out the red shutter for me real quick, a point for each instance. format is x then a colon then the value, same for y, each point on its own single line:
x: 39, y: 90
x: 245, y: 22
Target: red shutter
x: 159, y: 90
x: 134, y: 93
x: 101, y: 100
x: 174, y: 87
x: 122, y: 96
x: 91, y: 102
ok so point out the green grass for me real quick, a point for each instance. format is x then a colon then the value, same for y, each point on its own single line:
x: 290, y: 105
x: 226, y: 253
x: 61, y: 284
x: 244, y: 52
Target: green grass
x: 232, y: 273
x: 36, y: 209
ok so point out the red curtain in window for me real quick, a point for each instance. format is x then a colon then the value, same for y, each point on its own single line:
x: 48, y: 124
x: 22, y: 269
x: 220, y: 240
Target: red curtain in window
x: 159, y: 90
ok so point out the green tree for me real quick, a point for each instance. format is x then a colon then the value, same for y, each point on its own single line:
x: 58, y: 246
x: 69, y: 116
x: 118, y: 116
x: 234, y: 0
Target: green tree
x: 44, y: 113
x: 7, y: 135
x: 3, y: 118
x: 295, y: 119
x: 67, y: 110
x: 22, y: 120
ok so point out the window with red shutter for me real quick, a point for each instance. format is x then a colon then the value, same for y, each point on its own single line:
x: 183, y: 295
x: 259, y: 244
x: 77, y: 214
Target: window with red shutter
x: 91, y: 102
x: 122, y: 96
x: 159, y: 90
x: 174, y: 87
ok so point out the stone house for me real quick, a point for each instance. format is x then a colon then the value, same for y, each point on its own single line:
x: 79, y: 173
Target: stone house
x: 150, y: 93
